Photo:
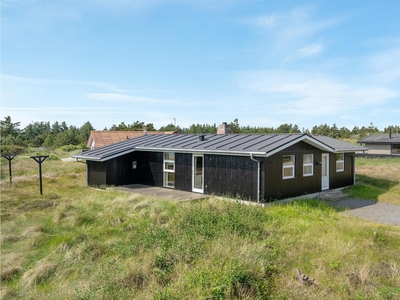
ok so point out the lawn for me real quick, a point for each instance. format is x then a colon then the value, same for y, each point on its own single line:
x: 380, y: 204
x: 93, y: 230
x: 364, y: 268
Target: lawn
x: 377, y: 179
x: 75, y: 242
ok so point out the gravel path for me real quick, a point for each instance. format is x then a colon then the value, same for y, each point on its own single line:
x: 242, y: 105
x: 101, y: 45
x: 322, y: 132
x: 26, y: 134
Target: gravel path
x: 375, y: 211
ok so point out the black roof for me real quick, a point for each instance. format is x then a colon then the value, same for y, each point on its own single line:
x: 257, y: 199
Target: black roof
x: 237, y: 144
x: 381, y: 139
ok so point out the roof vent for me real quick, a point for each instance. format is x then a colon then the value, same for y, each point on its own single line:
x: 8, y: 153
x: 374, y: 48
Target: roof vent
x: 201, y: 138
x: 224, y: 128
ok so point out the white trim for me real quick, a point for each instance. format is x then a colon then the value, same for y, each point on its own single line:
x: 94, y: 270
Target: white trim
x: 166, y: 172
x: 309, y: 164
x: 307, y: 139
x: 197, y: 190
x: 291, y: 166
x: 200, y: 152
x: 339, y: 161
x: 327, y: 172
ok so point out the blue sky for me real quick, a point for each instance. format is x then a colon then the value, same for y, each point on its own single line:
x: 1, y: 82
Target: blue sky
x: 263, y: 62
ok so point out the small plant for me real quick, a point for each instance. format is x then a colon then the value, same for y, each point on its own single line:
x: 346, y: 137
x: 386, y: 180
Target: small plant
x: 53, y: 157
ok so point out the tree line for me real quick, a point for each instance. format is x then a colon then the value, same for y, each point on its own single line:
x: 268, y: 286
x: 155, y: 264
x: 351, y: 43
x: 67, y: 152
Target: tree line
x: 58, y: 135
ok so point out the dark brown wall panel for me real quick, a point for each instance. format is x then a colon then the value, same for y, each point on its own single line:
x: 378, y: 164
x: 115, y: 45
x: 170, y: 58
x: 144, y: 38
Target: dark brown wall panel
x: 183, y: 171
x: 96, y: 172
x: 344, y: 178
x: 275, y: 187
x: 234, y: 176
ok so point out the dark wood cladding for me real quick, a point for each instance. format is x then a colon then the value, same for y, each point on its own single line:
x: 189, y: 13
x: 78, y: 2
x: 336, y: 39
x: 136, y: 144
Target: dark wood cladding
x: 227, y: 175
x: 96, y: 173
x: 234, y: 176
x: 275, y: 187
x: 118, y: 171
x: 151, y: 170
x: 183, y: 171
x: 343, y: 178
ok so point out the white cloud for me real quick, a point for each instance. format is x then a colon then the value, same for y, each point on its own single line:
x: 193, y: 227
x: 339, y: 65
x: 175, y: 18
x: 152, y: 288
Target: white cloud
x: 386, y: 65
x: 310, y: 50
x: 42, y: 81
x: 125, y: 98
x: 310, y: 94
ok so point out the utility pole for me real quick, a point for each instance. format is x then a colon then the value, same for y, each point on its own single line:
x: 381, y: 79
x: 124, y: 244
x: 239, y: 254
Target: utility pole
x: 39, y: 159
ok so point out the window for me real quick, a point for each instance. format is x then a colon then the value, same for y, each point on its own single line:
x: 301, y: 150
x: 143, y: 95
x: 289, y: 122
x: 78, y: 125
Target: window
x: 308, y: 166
x: 395, y: 149
x: 169, y: 169
x: 288, y: 166
x: 339, y: 162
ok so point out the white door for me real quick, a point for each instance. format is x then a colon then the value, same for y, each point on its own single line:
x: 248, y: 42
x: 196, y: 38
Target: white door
x: 197, y: 174
x: 325, y: 171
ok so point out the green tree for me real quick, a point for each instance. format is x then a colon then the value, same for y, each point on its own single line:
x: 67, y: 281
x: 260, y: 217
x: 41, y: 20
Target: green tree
x: 7, y: 127
x: 235, y: 127
x: 84, y: 132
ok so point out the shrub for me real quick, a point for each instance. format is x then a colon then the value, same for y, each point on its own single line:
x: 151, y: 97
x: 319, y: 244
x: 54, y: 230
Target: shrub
x: 53, y: 157
x: 69, y: 148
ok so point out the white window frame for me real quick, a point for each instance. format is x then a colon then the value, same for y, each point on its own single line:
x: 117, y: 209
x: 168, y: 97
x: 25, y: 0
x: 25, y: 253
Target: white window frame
x: 340, y: 162
x: 311, y: 164
x: 289, y: 166
x: 168, y: 171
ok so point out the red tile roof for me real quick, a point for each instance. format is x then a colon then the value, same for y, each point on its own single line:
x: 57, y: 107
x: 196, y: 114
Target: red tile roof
x: 99, y: 139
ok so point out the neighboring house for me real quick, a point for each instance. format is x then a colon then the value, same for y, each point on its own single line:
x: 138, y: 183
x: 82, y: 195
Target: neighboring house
x: 99, y: 139
x: 387, y: 144
x: 257, y: 167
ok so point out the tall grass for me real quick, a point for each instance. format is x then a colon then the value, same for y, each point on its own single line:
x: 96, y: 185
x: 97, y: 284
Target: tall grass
x: 377, y: 179
x: 75, y: 242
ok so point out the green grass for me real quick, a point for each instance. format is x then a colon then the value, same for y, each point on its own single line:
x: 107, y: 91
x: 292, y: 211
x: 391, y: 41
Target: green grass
x: 377, y: 179
x: 75, y: 242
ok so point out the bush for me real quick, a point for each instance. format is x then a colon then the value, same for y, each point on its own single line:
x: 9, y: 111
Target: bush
x: 69, y: 148
x: 6, y: 149
x: 53, y: 157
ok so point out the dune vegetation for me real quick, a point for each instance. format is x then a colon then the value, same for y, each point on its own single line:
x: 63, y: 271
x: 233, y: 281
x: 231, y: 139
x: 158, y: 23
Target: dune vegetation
x: 77, y: 242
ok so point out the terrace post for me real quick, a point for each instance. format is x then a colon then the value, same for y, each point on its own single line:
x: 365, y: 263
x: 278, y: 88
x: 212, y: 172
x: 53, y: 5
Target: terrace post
x: 9, y: 157
x: 39, y: 159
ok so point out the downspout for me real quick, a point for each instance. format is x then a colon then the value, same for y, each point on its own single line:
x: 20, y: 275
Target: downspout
x: 258, y: 176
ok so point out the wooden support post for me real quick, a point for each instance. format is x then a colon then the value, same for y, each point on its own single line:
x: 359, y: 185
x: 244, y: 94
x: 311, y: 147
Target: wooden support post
x: 39, y: 159
x: 9, y: 157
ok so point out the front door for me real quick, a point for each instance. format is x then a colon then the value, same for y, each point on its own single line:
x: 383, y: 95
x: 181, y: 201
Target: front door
x: 325, y: 171
x: 197, y: 174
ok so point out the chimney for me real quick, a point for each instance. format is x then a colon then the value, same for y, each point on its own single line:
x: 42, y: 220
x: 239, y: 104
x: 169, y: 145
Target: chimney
x: 390, y: 133
x: 224, y: 128
x: 201, y: 138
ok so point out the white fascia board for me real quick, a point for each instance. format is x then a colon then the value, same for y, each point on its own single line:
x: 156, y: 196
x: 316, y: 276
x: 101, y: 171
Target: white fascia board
x: 349, y: 150
x: 91, y: 158
x: 220, y: 152
x: 305, y: 138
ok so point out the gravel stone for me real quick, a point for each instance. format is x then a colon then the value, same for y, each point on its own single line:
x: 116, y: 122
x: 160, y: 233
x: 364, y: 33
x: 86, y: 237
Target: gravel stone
x: 371, y: 210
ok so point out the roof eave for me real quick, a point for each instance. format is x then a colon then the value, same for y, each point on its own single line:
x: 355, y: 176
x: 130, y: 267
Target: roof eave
x: 205, y: 151
x: 306, y: 138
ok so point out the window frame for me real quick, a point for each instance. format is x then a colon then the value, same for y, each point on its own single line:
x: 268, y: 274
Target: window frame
x: 167, y: 172
x: 289, y: 166
x: 310, y: 164
x: 340, y: 161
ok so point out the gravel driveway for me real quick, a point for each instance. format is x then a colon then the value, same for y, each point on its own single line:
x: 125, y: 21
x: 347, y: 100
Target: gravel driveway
x: 375, y: 211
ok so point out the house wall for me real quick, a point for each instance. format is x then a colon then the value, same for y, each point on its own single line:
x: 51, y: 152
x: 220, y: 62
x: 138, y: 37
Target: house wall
x: 378, y: 149
x: 234, y: 176
x: 275, y: 187
x: 343, y: 178
x: 96, y: 173
x: 183, y: 171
